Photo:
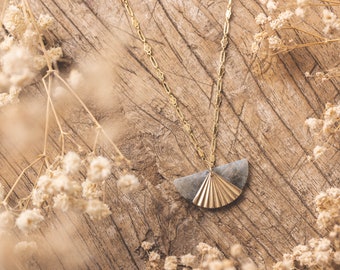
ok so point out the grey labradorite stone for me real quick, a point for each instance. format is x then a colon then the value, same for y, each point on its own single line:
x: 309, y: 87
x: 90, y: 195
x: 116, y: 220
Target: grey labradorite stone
x: 235, y: 172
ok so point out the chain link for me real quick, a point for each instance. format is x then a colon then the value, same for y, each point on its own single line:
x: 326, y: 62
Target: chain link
x: 173, y: 100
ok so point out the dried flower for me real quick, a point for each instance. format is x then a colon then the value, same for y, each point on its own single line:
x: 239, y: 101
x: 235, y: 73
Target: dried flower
x: 281, y: 20
x: 170, y: 263
x: 188, y: 260
x: 16, y: 64
x: 62, y: 183
x: 25, y: 250
x: 154, y: 256
x: 271, y: 5
x: 314, y: 125
x: 249, y: 265
x: 300, y: 12
x: 90, y: 190
x: 14, y: 20
x: 236, y: 251
x: 6, y: 220
x: 97, y: 209
x: 75, y: 79
x: 29, y: 220
x: 45, y: 21
x: 262, y: 18
x: 99, y: 170
x: 275, y: 43
x: 330, y: 20
x: 328, y: 205
x: 319, y: 151
x: 71, y: 162
x: 128, y: 183
x: 38, y: 197
x: 203, y: 248
x: 319, y: 253
x: 65, y: 202
x: 147, y: 245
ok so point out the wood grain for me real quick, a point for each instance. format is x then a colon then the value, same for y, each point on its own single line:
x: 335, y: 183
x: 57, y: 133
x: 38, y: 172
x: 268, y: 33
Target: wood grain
x: 262, y: 120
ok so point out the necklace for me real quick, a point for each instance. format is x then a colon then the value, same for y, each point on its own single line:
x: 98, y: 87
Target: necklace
x: 216, y: 186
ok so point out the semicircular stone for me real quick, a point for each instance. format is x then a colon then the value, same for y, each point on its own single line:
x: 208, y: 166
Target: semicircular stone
x: 189, y: 185
x: 235, y: 172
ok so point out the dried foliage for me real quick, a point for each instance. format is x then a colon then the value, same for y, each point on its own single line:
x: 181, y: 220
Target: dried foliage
x: 290, y: 25
x: 325, y: 131
x: 71, y: 180
x: 319, y: 253
x: 205, y: 257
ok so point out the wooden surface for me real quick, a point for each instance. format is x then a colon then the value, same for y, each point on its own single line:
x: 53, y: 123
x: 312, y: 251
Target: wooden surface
x: 262, y: 120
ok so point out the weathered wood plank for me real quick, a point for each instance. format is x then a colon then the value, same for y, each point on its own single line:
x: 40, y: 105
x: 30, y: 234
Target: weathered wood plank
x: 261, y: 119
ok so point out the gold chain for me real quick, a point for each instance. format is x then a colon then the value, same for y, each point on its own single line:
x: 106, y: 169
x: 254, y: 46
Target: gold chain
x: 174, y: 100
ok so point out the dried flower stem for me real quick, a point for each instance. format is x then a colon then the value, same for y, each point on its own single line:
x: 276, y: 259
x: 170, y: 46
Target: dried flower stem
x: 41, y: 42
x: 4, y: 202
x: 50, y: 103
x: 69, y: 88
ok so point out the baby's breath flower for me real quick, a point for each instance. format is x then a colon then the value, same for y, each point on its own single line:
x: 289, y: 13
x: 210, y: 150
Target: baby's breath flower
x: 29, y: 220
x: 236, y: 250
x: 97, y: 210
x: 7, y: 43
x: 54, y: 54
x: 281, y: 19
x: 25, y: 250
x: 90, y: 190
x: 170, y: 263
x: 318, y: 151
x: 330, y: 20
x: 128, y: 183
x: 328, y: 17
x: 45, y: 21
x: 154, y: 256
x: 286, y: 264
x: 275, y: 43
x: 45, y: 185
x: 14, y: 20
x: 271, y: 5
x: 71, y: 163
x: 6, y: 220
x: 75, y: 79
x: 62, y: 183
x: 331, y: 118
x: 261, y: 18
x: 65, y: 202
x: 17, y: 65
x: 249, y: 265
x: 147, y: 245
x: 38, y: 197
x: 203, y: 248
x: 314, y: 125
x: 306, y: 258
x: 300, y: 12
x: 324, y: 244
x: 188, y: 260
x: 328, y: 205
x: 99, y: 170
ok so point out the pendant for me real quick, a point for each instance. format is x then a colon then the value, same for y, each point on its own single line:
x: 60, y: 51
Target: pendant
x: 216, y: 188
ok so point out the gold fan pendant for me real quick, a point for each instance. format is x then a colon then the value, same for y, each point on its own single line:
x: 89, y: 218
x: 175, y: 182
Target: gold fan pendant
x: 216, y: 188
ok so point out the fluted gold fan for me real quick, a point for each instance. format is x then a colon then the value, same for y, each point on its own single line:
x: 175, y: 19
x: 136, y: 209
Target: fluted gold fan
x: 216, y: 188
